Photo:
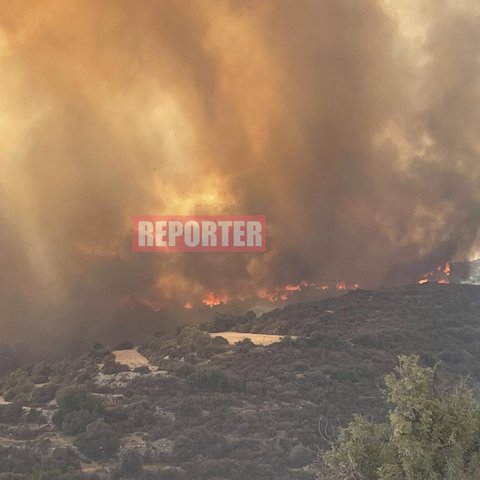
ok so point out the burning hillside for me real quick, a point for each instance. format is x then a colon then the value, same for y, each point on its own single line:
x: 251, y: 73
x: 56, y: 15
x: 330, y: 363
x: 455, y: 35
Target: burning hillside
x: 277, y: 294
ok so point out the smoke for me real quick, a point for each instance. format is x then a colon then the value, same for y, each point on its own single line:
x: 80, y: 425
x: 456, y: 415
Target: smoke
x: 352, y: 125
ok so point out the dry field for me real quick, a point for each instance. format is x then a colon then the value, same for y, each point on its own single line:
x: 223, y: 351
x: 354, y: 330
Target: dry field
x: 132, y: 358
x: 256, y: 338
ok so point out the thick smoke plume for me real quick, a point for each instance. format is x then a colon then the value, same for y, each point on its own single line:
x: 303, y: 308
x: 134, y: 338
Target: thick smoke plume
x: 352, y: 125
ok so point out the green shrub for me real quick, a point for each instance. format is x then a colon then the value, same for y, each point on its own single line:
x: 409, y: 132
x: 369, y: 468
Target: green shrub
x: 76, y: 409
x: 76, y: 422
x: 99, y: 441
x: 111, y: 367
x: 191, y: 338
x: 132, y: 464
x: 300, y: 456
x: 431, y: 435
x: 213, y: 379
x: 98, y: 351
x: 10, y: 413
x: 44, y: 394
x: 124, y: 345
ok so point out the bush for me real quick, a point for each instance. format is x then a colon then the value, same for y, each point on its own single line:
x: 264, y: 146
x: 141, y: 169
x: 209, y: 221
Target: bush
x: 76, y: 409
x: 220, y: 341
x: 10, y: 413
x: 431, y: 435
x: 17, y: 386
x: 111, y: 367
x: 75, y: 397
x: 245, y: 345
x: 300, y: 456
x: 34, y: 416
x: 45, y: 472
x: 76, y: 422
x: 98, y: 351
x: 191, y: 338
x: 199, y: 441
x: 44, y: 394
x: 142, y: 369
x: 132, y: 464
x: 214, y: 380
x: 98, y: 442
x: 188, y: 408
x: 41, y: 372
x: 164, y: 473
x: 124, y: 345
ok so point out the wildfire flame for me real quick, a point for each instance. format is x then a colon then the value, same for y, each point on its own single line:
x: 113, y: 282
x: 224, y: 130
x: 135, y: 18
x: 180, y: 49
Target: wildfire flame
x: 440, y: 275
x: 296, y: 288
x: 283, y: 293
x: 212, y: 299
x: 277, y: 294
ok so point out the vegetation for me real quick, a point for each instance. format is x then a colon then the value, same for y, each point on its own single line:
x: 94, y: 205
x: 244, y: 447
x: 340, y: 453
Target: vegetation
x: 205, y: 409
x: 432, y: 433
x: 76, y: 409
x: 99, y: 441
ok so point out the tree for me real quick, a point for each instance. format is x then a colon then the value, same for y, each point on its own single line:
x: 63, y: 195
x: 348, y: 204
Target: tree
x: 431, y: 434
x: 76, y: 422
x: 98, y: 351
x: 99, y: 441
x: 111, y: 367
x: 212, y: 379
x: 76, y: 409
x: 10, y: 413
x: 43, y: 394
x: 132, y: 464
x: 191, y: 338
x: 124, y: 345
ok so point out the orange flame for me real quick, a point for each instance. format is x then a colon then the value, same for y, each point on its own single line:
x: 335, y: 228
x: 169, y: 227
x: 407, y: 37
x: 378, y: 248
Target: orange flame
x: 293, y: 288
x: 264, y: 294
x: 283, y: 293
x: 212, y: 299
x: 440, y: 275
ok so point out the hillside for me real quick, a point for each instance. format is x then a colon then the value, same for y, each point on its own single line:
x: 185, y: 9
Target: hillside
x: 201, y: 408
x: 440, y: 322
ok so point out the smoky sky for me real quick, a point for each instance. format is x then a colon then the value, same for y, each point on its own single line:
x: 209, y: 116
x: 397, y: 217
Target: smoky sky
x: 350, y: 124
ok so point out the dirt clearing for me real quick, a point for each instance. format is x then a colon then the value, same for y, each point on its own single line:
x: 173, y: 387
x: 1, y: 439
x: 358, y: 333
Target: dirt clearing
x: 256, y: 338
x: 132, y: 358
